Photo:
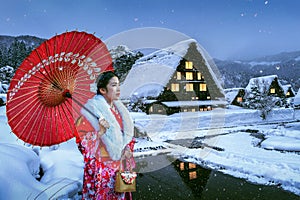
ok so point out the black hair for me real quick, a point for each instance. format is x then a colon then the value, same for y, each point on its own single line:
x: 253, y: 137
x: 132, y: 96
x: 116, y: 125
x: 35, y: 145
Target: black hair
x: 103, y: 79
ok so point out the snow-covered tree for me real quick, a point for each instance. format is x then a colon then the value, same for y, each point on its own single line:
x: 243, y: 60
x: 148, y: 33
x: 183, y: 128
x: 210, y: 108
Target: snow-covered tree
x: 6, y: 73
x: 17, y: 52
x: 258, y: 98
x: 137, y: 104
x: 123, y: 59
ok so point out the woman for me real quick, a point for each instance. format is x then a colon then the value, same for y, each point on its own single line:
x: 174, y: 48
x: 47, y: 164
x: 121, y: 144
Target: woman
x: 105, y: 140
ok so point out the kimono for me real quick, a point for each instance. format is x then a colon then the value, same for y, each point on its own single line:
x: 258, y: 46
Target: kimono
x: 102, y: 156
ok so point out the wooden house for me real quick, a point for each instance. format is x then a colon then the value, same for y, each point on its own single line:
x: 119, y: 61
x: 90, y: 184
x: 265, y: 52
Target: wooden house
x: 288, y: 91
x: 181, y: 78
x: 235, y: 96
x: 266, y: 84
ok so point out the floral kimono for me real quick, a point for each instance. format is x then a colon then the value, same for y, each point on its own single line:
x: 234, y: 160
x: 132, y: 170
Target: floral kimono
x: 102, y: 156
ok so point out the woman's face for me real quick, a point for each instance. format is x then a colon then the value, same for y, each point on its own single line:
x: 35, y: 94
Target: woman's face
x: 112, y: 91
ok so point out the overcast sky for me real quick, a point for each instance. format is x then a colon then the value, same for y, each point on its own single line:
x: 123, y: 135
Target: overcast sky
x: 227, y: 29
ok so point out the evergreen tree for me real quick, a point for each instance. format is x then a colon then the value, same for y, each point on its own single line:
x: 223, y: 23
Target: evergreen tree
x: 258, y: 98
x: 17, y: 52
x: 123, y: 59
x: 3, y: 56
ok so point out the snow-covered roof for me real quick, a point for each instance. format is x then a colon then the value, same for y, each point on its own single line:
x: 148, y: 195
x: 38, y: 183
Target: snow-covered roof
x: 287, y: 87
x: 262, y: 81
x: 231, y: 93
x: 153, y: 72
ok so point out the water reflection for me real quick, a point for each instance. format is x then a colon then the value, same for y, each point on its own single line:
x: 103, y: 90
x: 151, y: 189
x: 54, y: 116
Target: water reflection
x: 194, y: 176
x: 175, y: 179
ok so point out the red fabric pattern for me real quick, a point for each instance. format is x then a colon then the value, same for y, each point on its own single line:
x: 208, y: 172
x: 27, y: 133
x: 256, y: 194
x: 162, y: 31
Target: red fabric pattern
x: 99, y: 175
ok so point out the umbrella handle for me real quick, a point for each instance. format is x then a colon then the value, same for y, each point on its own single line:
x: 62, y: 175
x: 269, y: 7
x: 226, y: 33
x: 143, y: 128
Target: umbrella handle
x: 68, y: 95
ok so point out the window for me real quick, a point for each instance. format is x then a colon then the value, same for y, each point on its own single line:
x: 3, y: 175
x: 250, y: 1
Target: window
x: 208, y: 97
x: 189, y: 87
x: 175, y: 87
x: 288, y: 94
x: 202, y: 87
x: 188, y: 65
x: 239, y: 99
x: 181, y: 166
x: 178, y: 75
x: 193, y: 175
x: 199, y: 75
x: 189, y: 75
x: 192, y: 166
x: 151, y: 109
x: 272, y: 90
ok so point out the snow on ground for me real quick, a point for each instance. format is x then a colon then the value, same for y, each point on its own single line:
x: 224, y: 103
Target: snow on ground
x: 264, y: 152
x: 261, y: 151
x: 20, y: 166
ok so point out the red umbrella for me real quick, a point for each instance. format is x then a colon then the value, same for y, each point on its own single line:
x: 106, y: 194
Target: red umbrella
x: 52, y: 84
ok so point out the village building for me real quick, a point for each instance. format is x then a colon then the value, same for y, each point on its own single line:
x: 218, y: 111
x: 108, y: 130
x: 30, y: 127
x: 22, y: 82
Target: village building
x: 235, y: 96
x: 181, y: 78
x: 266, y: 84
x: 288, y: 91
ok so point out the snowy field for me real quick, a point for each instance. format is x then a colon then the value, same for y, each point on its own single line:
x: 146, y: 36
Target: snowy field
x: 234, y: 141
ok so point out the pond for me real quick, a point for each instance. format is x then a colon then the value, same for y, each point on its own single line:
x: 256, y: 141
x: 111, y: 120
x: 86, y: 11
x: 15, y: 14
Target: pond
x: 163, y: 177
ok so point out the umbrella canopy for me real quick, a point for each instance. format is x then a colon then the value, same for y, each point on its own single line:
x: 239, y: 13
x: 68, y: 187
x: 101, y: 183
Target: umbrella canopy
x: 48, y: 90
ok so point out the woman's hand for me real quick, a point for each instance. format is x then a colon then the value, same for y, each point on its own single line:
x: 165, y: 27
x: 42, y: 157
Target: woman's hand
x: 103, y: 124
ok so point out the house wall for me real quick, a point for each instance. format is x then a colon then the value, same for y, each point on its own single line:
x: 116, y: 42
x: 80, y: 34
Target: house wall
x: 240, y: 94
x: 278, y: 90
x: 198, y: 76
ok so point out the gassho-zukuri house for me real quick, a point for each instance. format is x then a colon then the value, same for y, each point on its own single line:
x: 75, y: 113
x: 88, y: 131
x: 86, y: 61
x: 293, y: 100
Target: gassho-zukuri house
x: 181, y: 78
x: 269, y: 84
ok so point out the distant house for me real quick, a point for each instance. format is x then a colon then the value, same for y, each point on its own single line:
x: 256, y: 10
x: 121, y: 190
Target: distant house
x: 234, y: 96
x: 181, y: 78
x: 288, y: 91
x: 269, y: 84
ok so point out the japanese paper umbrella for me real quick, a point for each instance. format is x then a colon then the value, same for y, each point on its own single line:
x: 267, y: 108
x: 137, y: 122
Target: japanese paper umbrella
x: 51, y: 86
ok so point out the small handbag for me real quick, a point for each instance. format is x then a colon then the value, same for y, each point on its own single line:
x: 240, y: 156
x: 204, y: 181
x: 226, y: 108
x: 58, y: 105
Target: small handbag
x: 125, y: 180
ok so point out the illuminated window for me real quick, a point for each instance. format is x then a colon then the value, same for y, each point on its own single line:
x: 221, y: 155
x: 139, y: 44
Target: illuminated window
x: 192, y: 165
x: 200, y: 109
x: 202, y: 87
x: 288, y: 94
x: 272, y: 90
x: 209, y: 108
x: 178, y: 75
x: 188, y: 65
x: 151, y: 109
x: 189, y: 87
x: 175, y: 87
x: 208, y: 97
x: 199, y: 75
x: 189, y: 75
x: 239, y: 99
x: 193, y: 110
x: 193, y: 175
x: 181, y: 166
